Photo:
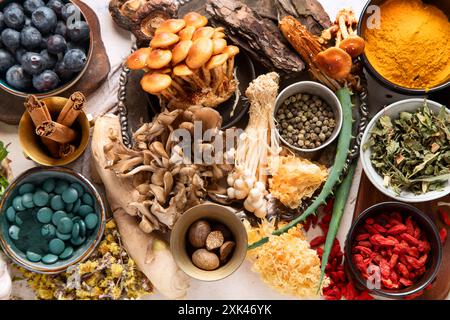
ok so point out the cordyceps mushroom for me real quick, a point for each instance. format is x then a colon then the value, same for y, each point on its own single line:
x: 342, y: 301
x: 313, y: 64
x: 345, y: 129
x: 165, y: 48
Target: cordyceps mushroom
x: 335, y: 62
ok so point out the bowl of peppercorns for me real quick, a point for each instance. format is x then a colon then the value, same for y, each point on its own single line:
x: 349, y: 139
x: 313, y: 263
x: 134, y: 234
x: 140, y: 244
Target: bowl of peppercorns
x: 45, y: 47
x: 308, y: 116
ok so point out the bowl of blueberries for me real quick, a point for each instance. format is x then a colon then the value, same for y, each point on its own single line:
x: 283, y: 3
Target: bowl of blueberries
x: 45, y: 46
x: 50, y: 219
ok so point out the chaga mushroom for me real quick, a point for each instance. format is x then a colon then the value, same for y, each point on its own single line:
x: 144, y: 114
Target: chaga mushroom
x: 142, y: 17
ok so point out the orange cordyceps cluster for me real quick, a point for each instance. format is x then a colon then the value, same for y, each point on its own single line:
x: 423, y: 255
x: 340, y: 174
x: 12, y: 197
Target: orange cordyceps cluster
x: 187, y: 63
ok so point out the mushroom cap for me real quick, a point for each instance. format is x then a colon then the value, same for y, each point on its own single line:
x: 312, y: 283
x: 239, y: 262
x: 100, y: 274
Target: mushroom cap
x: 219, y: 29
x: 209, y: 117
x: 219, y: 46
x: 195, y: 19
x: 335, y: 62
x: 231, y: 51
x: 162, y: 70
x: 200, y: 52
x: 218, y: 35
x: 353, y: 45
x: 217, y: 61
x: 182, y: 70
x: 203, y: 32
x: 180, y: 51
x: 186, y: 33
x: 171, y: 25
x: 154, y: 83
x: 164, y: 40
x: 138, y: 59
x: 159, y: 58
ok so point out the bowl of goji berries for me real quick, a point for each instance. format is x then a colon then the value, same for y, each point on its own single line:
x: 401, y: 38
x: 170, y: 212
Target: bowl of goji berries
x: 393, y: 250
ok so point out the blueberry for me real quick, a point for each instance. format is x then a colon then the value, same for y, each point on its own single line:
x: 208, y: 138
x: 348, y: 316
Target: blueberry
x: 11, y: 39
x: 2, y: 21
x: 68, y: 11
x: 33, y: 63
x: 16, y: 77
x: 50, y: 60
x: 19, y: 54
x: 44, y: 19
x: 73, y: 45
x: 78, y: 31
x: 31, y: 5
x: 13, y: 5
x: 6, y: 60
x: 61, y: 28
x: 56, y: 44
x: 14, y: 18
x: 46, y: 81
x: 63, y: 73
x: 56, y: 5
x: 30, y: 38
x: 75, y: 60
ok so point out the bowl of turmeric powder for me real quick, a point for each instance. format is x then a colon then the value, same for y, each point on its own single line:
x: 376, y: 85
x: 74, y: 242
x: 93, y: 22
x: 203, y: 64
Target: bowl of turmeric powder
x: 407, y: 44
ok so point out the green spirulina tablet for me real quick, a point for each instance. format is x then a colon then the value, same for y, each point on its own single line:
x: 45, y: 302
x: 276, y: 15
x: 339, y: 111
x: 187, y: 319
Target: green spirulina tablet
x: 78, y: 241
x: 63, y: 236
x: 44, y: 215
x: 70, y: 195
x: 10, y: 214
x: 85, y: 210
x: 17, y: 204
x: 76, y: 230
x: 18, y: 220
x: 49, y: 258
x: 56, y: 246
x: 61, y: 186
x: 13, y: 232
x: 65, y: 225
x: 40, y: 198
x: 87, y: 199
x: 48, y: 231
x: 82, y: 228
x: 26, y: 188
x: 33, y: 256
x: 91, y: 221
x: 58, y: 215
x: 27, y: 200
x: 49, y: 185
x: 76, y: 206
x: 78, y: 187
x: 67, y: 253
x: 57, y: 203
x: 69, y: 207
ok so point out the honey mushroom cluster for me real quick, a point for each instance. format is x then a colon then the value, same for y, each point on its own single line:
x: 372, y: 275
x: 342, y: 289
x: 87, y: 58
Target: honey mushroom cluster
x: 188, y: 63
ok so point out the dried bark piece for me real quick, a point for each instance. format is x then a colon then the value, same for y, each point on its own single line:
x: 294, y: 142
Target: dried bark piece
x: 214, y: 240
x: 225, y: 250
x: 259, y: 36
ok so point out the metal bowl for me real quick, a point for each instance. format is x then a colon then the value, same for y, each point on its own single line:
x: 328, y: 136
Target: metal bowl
x: 37, y: 175
x: 427, y: 225
x: 5, y: 86
x: 444, y: 5
x: 313, y: 88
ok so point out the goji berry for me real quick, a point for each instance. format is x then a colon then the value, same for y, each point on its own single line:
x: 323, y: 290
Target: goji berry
x: 370, y: 221
x: 326, y: 218
x: 396, y: 216
x: 351, y: 292
x: 307, y: 225
x: 414, y: 295
x: 410, y: 239
x: 329, y: 206
x: 393, y: 260
x: 378, y: 239
x: 385, y: 269
x: 409, y: 226
x: 379, y: 228
x: 445, y: 217
x: 403, y: 270
x: 443, y: 235
x: 365, y: 244
x: 314, y: 219
x: 364, y: 296
x: 406, y: 282
x: 397, y: 229
x: 417, y: 232
x: 320, y: 252
x: 362, y: 236
x: 317, y: 241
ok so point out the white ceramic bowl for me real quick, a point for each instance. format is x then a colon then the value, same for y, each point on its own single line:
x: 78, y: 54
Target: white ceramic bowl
x: 393, y: 110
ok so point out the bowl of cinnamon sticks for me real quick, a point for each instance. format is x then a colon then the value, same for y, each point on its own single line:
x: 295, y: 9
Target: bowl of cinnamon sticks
x: 54, y: 131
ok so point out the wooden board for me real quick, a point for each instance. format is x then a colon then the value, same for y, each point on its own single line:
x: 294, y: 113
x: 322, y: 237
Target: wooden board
x: 11, y: 107
x: 368, y: 195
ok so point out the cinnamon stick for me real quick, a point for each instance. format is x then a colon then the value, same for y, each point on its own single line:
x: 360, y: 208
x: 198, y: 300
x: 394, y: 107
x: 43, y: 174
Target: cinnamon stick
x: 56, y: 132
x: 66, y: 150
x: 72, y: 109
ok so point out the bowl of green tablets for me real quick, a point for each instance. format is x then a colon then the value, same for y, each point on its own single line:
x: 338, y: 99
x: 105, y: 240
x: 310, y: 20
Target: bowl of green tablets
x: 50, y: 219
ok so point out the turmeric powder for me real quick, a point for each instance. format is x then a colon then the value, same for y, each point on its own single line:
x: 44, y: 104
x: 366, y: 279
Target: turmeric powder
x: 412, y: 46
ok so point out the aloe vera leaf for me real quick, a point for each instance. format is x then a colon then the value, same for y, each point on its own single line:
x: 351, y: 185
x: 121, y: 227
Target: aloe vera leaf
x: 343, y: 145
x: 338, y: 211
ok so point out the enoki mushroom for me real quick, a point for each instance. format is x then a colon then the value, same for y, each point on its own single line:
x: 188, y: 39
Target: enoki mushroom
x: 257, y: 148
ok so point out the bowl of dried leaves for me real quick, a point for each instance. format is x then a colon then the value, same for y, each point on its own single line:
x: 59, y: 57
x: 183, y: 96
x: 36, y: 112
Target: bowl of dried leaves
x: 405, y: 150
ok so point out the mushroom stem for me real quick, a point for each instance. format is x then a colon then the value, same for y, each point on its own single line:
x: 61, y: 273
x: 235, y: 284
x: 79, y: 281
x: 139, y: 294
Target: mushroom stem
x: 179, y: 90
x: 343, y: 26
x: 206, y: 75
x: 218, y: 78
x: 230, y: 71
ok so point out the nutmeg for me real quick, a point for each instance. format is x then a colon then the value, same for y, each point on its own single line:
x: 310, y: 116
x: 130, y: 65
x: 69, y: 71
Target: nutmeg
x: 198, y: 232
x: 214, y: 240
x: 205, y: 260
x: 225, y: 250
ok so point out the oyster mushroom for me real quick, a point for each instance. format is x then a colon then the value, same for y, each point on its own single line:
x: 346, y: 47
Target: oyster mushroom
x: 195, y: 19
x: 335, y: 62
x: 164, y: 40
x: 171, y: 26
x: 159, y: 58
x: 138, y: 59
x: 180, y: 51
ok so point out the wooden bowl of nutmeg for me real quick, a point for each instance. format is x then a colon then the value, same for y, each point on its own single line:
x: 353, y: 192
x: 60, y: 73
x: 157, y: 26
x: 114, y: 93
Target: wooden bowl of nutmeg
x: 209, y: 242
